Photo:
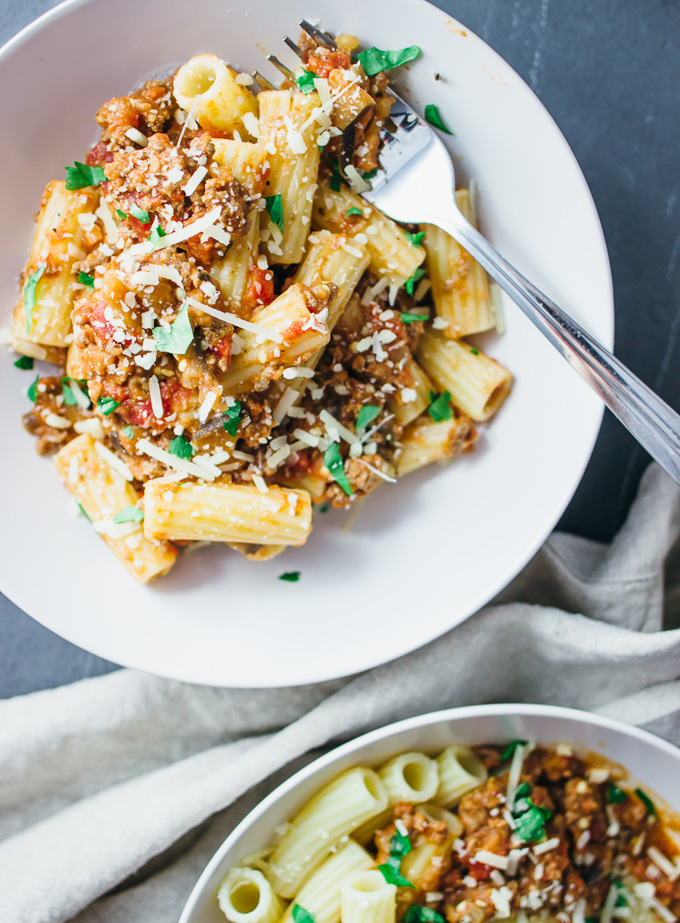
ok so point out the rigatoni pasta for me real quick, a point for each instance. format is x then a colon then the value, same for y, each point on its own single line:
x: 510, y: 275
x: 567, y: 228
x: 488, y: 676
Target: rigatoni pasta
x: 245, y: 896
x: 233, y: 325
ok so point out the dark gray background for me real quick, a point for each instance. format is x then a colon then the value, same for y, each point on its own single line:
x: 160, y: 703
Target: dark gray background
x: 609, y: 73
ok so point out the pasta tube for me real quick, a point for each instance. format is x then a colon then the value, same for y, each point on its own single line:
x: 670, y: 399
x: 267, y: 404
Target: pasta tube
x: 207, y: 88
x: 321, y: 894
x: 226, y: 513
x: 87, y: 469
x: 477, y: 384
x: 50, y: 284
x: 459, y: 772
x: 287, y: 133
x: 368, y: 898
x: 257, y: 552
x: 245, y: 896
x: 337, y: 810
x: 315, y: 486
x: 425, y: 441
x: 391, y: 253
x: 247, y: 162
x: 410, y: 777
x: 336, y: 259
x: 460, y: 287
x: 232, y: 272
x: 407, y: 410
x: 297, y: 334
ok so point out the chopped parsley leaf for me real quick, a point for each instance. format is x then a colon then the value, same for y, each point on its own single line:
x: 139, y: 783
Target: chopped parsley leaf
x: 305, y: 82
x: 275, y: 209
x: 408, y: 318
x: 291, y: 576
x: 400, y: 845
x: 323, y: 508
x: 129, y: 514
x: 615, y: 795
x: 300, y: 915
x: 367, y: 415
x: 440, y: 408
x: 181, y: 447
x: 336, y: 177
x: 121, y: 214
x: 531, y: 824
x: 434, y: 118
x: 232, y: 418
x: 415, y: 239
x: 647, y: 801
x: 82, y: 510
x: 418, y: 914
x: 24, y: 362
x: 86, y: 279
x: 67, y: 391
x: 391, y: 872
x: 29, y: 294
x: 178, y: 338
x: 332, y: 459
x: 589, y: 920
x: 370, y: 174
x: 106, y: 405
x: 410, y: 284
x: 509, y: 751
x: 139, y: 213
x: 80, y: 174
x: 474, y: 350
x: 128, y: 431
x: 354, y: 211
x: 33, y: 390
x: 373, y: 60
x: 522, y: 791
x: 156, y: 233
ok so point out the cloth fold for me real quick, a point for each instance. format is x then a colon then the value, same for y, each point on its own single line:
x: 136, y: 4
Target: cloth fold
x: 129, y: 778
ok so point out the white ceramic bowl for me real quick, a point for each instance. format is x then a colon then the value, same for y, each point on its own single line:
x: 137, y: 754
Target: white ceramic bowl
x: 437, y: 546
x: 650, y: 762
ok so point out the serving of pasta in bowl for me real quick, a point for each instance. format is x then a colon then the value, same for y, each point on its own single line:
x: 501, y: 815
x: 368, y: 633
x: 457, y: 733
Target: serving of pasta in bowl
x: 492, y: 812
x: 224, y: 349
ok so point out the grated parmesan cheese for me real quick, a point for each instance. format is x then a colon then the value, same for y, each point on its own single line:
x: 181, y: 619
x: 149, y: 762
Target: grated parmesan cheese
x: 236, y: 321
x: 156, y: 399
x: 135, y: 135
x: 113, y: 461
x: 173, y: 461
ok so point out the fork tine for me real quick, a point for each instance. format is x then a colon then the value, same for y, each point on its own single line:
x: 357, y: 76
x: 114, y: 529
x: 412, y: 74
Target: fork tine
x: 293, y: 47
x: 262, y: 82
x: 280, y: 66
x: 317, y: 34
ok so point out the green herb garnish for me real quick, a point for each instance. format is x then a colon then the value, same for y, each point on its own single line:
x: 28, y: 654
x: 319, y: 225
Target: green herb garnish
x: 615, y: 795
x: 410, y: 284
x: 440, y: 408
x: 415, y: 239
x: 400, y: 845
x: 391, y: 872
x: 232, y: 418
x: 323, y: 508
x: 69, y: 397
x: 80, y: 174
x: 474, y: 350
x: 434, y: 118
x: 370, y: 174
x: 291, y: 576
x: 275, y: 210
x: 336, y: 177
x: 106, y: 405
x: 181, y: 447
x: 373, y: 60
x: 82, y: 510
x: 129, y: 514
x: 29, y: 294
x: 647, y: 801
x: 178, y: 338
x: 86, y: 279
x: 156, y: 233
x: 367, y: 415
x: 354, y: 211
x: 408, y: 318
x: 24, y: 362
x: 509, y: 751
x: 418, y: 914
x: 128, y: 431
x: 522, y: 790
x: 305, y: 82
x: 531, y: 824
x: 332, y: 459
x: 33, y: 390
x: 300, y: 915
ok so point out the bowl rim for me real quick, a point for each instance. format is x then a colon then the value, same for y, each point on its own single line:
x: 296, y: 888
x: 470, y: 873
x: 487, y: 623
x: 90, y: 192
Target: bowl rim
x: 526, y: 710
x: 505, y: 576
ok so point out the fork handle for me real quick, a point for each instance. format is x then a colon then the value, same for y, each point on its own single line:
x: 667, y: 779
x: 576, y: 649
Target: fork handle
x: 654, y: 424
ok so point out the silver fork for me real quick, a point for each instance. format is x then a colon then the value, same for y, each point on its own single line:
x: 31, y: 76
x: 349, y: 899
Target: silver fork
x: 415, y: 184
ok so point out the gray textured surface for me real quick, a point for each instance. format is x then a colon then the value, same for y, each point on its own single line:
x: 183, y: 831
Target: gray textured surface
x: 609, y: 73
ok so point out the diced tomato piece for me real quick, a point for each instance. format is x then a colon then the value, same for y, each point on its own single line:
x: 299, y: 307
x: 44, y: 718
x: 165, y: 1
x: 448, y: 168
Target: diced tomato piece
x: 99, y: 155
x: 140, y: 413
x: 323, y: 64
x: 479, y: 871
x: 260, y: 290
x: 140, y: 228
x: 93, y: 311
x: 303, y: 464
